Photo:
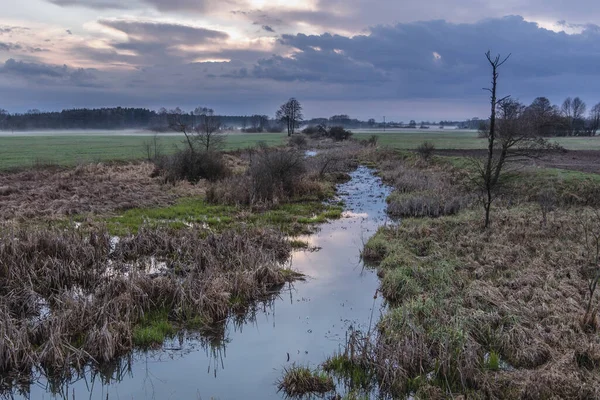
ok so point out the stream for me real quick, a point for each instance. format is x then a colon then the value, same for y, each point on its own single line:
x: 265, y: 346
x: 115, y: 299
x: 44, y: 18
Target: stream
x: 304, y: 324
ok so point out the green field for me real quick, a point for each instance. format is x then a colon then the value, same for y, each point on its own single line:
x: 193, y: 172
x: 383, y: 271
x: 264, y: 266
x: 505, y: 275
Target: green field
x: 24, y: 150
x: 456, y: 139
x: 72, y: 148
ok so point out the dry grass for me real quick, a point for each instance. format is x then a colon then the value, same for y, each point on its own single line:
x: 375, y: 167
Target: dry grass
x: 99, y: 188
x: 70, y: 297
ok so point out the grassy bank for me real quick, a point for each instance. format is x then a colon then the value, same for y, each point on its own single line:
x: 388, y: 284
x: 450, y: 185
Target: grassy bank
x: 497, y: 313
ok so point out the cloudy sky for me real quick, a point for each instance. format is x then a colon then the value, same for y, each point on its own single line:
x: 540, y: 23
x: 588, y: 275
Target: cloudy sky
x: 367, y: 58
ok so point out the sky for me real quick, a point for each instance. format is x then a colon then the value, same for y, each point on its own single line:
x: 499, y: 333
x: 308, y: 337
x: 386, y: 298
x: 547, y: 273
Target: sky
x: 366, y: 58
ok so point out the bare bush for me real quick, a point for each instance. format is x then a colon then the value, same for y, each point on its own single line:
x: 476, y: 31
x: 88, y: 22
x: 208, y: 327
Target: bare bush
x: 274, y: 174
x: 426, y: 150
x: 193, y: 166
x: 332, y: 161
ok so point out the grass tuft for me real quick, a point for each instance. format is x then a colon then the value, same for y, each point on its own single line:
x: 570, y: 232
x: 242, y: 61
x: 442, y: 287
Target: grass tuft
x: 301, y: 381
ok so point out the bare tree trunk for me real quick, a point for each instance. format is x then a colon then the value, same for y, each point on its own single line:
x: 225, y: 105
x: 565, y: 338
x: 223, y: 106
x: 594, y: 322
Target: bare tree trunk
x: 488, y: 178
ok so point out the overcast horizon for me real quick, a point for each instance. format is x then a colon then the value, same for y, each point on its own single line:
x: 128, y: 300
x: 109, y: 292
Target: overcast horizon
x: 404, y: 60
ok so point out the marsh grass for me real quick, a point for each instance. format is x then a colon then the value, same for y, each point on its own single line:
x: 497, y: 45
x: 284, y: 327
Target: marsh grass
x: 71, y: 296
x: 300, y: 382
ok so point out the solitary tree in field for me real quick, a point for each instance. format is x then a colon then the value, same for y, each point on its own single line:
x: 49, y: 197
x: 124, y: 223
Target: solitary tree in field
x: 208, y: 132
x: 509, y: 137
x: 290, y: 113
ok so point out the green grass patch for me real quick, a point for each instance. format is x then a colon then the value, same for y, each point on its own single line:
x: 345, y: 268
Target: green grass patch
x: 299, y: 244
x: 153, y: 329
x: 292, y: 218
x: 410, y: 139
x: 73, y: 147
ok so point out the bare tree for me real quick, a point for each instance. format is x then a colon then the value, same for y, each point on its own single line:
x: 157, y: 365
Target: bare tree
x: 490, y: 170
x: 543, y: 116
x: 573, y: 110
x: 579, y: 109
x: 595, y: 119
x: 510, y: 138
x: 290, y: 113
x: 178, y: 123
x: 208, y: 129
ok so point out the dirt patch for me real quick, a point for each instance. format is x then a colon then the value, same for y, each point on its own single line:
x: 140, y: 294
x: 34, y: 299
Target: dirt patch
x: 575, y: 160
x: 97, y: 188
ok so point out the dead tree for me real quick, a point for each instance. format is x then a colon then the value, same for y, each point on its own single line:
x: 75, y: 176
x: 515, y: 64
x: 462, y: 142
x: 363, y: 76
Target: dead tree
x: 179, y: 123
x: 493, y: 166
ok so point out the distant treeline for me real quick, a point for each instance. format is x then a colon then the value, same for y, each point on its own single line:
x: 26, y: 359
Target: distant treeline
x: 117, y: 118
x: 569, y: 119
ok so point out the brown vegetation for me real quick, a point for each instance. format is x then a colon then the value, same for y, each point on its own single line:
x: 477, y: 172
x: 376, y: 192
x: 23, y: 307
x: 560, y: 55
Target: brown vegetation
x: 99, y: 188
x: 70, y: 296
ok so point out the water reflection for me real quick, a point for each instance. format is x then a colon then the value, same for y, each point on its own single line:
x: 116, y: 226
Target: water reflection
x: 243, y: 356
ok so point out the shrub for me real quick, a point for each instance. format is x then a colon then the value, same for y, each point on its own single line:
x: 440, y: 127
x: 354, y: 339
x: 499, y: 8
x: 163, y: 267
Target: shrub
x: 338, y: 133
x: 426, y: 150
x: 185, y: 165
x: 297, y: 140
x: 312, y: 130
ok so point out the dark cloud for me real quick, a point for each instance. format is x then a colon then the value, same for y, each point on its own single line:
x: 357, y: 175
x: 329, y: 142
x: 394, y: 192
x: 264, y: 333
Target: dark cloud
x: 439, y: 59
x: 49, y: 74
x: 69, y: 32
x: 268, y: 28
x: 153, y: 42
x: 17, y: 47
x: 397, y: 68
x: 164, y: 32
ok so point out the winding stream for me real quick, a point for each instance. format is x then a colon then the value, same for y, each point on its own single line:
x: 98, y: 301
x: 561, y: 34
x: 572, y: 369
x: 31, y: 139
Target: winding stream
x: 305, y: 324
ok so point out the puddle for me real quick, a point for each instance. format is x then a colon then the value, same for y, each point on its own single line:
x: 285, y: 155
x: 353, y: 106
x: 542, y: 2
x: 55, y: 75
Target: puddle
x: 305, y: 324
